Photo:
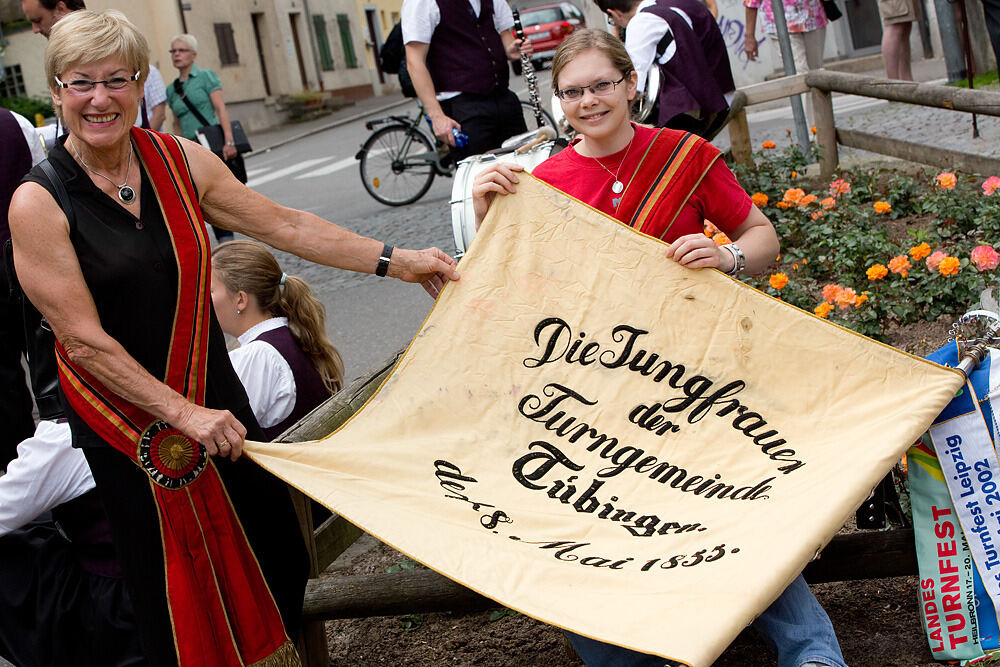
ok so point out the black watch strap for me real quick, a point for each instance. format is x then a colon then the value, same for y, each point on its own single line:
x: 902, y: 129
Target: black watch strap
x: 383, y: 261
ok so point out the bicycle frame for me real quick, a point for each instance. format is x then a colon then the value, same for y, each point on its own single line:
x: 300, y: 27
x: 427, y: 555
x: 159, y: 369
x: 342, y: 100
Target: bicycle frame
x: 413, y: 125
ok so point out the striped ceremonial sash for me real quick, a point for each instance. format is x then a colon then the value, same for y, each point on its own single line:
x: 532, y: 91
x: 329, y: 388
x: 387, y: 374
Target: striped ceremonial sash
x: 223, y: 613
x: 655, y: 197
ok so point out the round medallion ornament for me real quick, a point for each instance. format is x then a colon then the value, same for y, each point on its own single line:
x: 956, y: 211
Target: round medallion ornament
x: 170, y: 458
x: 126, y: 194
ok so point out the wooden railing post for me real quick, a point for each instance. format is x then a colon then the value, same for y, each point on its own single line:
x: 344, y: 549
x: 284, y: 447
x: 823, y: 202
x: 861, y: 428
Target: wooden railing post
x: 826, y: 132
x: 739, y: 138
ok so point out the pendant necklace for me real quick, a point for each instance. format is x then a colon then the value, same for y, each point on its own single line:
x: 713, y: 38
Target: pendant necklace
x: 126, y: 195
x: 617, y: 186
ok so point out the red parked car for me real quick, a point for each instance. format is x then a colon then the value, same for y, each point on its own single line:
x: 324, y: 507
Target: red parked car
x: 546, y: 26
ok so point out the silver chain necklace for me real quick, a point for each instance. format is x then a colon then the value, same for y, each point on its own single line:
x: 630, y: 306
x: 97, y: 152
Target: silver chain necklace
x: 125, y: 194
x: 617, y: 186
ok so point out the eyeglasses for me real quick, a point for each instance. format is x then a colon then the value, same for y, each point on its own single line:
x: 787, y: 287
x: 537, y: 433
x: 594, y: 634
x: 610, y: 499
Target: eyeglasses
x: 87, y: 85
x: 173, y: 51
x: 601, y: 88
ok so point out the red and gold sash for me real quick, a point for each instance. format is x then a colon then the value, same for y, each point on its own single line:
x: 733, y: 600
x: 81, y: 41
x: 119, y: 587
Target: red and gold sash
x: 222, y: 611
x: 655, y: 197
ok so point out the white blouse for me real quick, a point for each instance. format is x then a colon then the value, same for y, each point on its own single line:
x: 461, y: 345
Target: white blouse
x: 265, y: 374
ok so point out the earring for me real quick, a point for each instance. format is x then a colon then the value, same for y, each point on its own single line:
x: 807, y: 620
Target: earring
x: 239, y: 312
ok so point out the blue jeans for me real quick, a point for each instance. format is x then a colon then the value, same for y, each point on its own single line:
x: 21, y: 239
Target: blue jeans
x: 795, y: 626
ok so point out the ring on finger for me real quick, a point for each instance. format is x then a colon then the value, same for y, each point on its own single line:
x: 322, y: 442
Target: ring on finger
x: 224, y: 443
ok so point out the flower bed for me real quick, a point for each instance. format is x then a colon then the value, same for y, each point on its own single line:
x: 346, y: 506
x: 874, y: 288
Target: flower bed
x: 875, y: 249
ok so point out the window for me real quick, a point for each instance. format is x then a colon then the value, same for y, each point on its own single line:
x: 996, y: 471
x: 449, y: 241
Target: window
x: 344, y: 23
x: 226, y: 44
x: 12, y: 84
x: 323, y: 43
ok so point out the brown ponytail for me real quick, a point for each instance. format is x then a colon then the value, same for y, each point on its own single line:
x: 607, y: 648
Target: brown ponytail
x: 250, y: 267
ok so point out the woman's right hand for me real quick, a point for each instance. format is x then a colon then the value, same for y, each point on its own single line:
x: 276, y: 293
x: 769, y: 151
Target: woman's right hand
x: 750, y: 46
x: 217, y: 430
x: 499, y: 178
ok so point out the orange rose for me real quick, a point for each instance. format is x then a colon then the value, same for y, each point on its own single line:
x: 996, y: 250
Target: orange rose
x: 900, y: 264
x: 793, y: 195
x: 828, y: 202
x: 783, y: 205
x: 949, y: 266
x: 918, y: 252
x: 945, y: 180
x: 721, y: 239
x: 808, y: 199
x: 882, y: 207
x: 817, y: 215
x: 861, y: 299
x: 823, y: 309
x: 830, y: 292
x: 760, y: 199
x: 778, y: 280
x: 767, y: 145
x: 847, y: 298
x: 877, y: 272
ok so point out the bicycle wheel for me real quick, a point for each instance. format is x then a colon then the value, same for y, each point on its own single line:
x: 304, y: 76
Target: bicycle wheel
x: 532, y: 123
x: 397, y: 165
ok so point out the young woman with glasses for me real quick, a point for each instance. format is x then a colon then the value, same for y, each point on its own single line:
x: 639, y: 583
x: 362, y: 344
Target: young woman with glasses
x: 612, y: 165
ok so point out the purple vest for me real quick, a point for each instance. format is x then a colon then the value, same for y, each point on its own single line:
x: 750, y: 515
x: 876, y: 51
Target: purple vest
x: 309, y: 388
x: 15, y: 163
x: 466, y: 53
x: 698, y: 75
x: 85, y: 523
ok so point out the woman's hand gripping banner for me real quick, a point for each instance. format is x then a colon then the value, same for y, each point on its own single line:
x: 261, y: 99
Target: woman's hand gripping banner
x: 589, y: 433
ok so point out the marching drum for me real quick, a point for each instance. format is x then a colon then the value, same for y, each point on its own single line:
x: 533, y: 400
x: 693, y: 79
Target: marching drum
x: 463, y: 216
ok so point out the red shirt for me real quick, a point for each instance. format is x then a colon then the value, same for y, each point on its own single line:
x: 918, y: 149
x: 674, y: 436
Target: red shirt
x: 718, y: 198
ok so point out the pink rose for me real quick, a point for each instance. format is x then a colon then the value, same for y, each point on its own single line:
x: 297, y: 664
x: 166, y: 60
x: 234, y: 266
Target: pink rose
x: 985, y: 258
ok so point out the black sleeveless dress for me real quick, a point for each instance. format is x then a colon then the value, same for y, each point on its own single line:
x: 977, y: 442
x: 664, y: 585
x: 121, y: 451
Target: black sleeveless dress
x: 129, y: 267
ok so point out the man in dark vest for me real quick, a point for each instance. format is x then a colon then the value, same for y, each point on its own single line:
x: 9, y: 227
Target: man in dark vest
x: 22, y: 150
x: 682, y: 39
x: 456, y: 54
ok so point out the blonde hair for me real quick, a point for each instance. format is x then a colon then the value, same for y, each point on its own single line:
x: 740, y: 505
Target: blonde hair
x: 190, y: 40
x: 584, y: 40
x: 250, y: 267
x: 87, y: 36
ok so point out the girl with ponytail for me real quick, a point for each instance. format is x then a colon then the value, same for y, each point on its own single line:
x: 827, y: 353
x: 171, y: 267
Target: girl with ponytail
x: 285, y: 360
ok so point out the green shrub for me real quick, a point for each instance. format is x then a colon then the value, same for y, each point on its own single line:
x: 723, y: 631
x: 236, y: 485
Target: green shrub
x: 28, y: 106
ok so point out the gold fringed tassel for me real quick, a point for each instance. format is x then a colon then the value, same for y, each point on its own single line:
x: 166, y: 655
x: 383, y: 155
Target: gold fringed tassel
x: 286, y: 656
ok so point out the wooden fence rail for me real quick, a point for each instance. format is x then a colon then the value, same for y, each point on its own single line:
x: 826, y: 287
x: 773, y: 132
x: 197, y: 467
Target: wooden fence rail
x: 820, y: 84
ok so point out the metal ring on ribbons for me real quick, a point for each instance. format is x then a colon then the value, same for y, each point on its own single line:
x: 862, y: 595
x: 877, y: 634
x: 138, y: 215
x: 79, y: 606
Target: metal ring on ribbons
x: 974, y: 325
x: 170, y: 458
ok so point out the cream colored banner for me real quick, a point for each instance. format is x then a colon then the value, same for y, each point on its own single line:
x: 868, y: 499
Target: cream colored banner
x: 589, y: 433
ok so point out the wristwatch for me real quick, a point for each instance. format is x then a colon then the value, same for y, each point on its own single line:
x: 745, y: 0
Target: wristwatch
x: 231, y: 143
x: 739, y: 260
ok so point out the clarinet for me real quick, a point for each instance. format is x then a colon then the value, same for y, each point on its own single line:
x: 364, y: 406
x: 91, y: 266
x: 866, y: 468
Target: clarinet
x: 529, y: 71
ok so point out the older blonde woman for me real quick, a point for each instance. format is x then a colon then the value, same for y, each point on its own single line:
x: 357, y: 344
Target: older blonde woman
x: 111, y: 247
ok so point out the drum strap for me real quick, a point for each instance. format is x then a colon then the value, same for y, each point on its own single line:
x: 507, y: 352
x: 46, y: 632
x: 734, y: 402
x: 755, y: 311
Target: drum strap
x: 222, y: 612
x: 671, y: 170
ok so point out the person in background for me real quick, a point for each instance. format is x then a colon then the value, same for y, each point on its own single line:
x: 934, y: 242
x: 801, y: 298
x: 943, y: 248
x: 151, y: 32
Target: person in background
x: 285, y: 360
x: 682, y: 39
x: 456, y: 56
x: 897, y: 21
x: 21, y: 151
x: 153, y: 109
x: 595, y: 81
x: 806, y: 28
x: 208, y: 541
x: 195, y: 97
x: 43, y: 14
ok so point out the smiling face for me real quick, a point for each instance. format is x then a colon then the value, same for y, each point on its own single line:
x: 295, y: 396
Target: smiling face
x: 101, y: 117
x: 602, y: 120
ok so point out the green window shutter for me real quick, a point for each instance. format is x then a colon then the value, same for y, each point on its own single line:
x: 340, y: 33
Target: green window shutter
x: 344, y: 22
x: 323, y: 42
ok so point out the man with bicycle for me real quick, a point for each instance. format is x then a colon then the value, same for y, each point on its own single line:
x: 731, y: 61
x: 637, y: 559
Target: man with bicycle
x: 456, y: 54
